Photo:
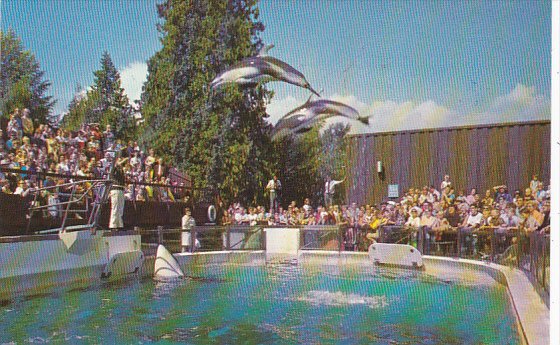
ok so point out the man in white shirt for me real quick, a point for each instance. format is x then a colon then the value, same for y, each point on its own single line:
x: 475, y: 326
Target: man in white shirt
x: 307, y: 205
x: 471, y: 223
x: 474, y: 220
x: 329, y: 190
x: 274, y: 187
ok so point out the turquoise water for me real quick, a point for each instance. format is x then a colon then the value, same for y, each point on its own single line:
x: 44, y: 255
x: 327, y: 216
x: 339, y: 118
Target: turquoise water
x: 283, y: 304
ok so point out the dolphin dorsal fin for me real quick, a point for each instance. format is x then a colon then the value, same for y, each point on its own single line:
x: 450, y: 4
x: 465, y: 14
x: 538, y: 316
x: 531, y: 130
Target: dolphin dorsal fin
x: 264, y: 50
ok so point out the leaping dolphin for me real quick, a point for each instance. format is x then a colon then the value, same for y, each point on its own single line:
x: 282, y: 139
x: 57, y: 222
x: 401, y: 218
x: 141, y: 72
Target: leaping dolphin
x: 261, y: 69
x: 306, y: 116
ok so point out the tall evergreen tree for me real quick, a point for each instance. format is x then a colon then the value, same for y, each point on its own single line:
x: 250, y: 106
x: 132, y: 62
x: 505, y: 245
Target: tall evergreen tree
x: 22, y: 83
x: 105, y: 103
x: 219, y: 138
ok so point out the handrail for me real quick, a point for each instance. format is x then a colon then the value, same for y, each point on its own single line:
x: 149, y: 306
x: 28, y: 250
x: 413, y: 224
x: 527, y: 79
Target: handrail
x: 72, y: 201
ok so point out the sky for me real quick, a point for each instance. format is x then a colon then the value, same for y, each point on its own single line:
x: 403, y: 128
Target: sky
x: 406, y: 64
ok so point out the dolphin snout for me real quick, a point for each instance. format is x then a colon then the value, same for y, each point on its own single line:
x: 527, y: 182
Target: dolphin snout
x: 364, y: 120
x: 216, y: 82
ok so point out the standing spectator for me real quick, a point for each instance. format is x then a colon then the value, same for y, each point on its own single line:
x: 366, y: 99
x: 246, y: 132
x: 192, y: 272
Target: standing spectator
x: 274, y: 188
x: 533, y: 185
x: 487, y: 200
x: 108, y: 138
x: 501, y: 191
x: 27, y: 123
x: 469, y: 199
x: 540, y: 195
x: 445, y: 183
x: 329, y: 190
x: 435, y: 193
x: 54, y: 207
x: 187, y: 222
x: 307, y: 206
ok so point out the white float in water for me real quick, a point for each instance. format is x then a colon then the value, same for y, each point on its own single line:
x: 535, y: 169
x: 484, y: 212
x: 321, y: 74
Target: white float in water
x: 395, y: 254
x: 166, y: 266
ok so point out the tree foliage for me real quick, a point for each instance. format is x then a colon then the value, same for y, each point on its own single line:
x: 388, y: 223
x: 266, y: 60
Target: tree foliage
x: 220, y: 138
x: 304, y: 162
x: 106, y: 103
x: 22, y: 83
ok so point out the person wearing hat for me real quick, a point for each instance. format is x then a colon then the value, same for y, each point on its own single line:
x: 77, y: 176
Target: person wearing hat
x: 501, y: 191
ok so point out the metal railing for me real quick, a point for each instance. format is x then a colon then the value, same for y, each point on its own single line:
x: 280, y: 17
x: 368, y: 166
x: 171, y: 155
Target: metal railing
x: 528, y: 251
x: 83, y: 197
x: 536, y: 261
x: 506, y: 246
x: 204, y: 238
x: 322, y: 237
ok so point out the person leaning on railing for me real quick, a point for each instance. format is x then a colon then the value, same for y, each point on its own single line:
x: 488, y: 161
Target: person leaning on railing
x: 469, y: 227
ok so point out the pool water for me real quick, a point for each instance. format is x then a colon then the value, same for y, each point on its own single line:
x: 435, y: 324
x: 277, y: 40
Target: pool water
x: 270, y: 304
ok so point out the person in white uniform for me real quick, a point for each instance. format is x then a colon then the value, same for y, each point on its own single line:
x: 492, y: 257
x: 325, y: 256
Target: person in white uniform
x: 187, y: 222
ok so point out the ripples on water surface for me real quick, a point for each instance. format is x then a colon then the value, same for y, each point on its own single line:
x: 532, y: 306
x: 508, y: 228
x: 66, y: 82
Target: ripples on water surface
x: 236, y: 304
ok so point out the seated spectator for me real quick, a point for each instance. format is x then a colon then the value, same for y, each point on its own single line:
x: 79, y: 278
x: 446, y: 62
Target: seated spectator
x: 510, y: 219
x: 414, y: 219
x: 534, y: 219
x: 6, y: 189
x: 474, y: 219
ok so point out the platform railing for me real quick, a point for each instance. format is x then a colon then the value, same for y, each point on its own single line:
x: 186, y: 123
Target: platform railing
x: 84, y: 197
x: 204, y: 238
x: 537, y: 261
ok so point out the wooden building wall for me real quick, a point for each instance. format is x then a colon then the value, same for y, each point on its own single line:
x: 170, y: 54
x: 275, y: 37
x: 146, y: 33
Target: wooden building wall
x: 475, y: 157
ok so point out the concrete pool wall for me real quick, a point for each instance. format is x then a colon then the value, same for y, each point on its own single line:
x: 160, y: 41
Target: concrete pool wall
x: 531, y: 312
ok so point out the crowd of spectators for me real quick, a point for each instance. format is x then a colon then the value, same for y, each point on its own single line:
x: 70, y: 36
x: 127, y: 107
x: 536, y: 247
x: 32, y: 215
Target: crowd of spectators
x: 87, y: 152
x: 441, y: 211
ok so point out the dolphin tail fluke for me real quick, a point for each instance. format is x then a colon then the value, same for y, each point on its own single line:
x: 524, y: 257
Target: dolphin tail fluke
x: 264, y: 50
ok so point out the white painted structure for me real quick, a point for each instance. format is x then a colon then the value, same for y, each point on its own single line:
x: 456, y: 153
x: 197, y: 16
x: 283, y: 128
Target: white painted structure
x: 39, y: 261
x: 395, y: 254
x: 282, y: 244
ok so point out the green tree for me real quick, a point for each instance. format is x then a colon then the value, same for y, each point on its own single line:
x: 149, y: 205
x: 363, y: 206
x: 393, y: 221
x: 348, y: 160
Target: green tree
x: 303, y: 162
x: 106, y: 103
x: 220, y: 138
x: 22, y: 83
x: 81, y: 107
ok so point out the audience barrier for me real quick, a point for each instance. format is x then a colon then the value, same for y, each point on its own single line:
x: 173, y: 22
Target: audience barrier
x: 144, y: 214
